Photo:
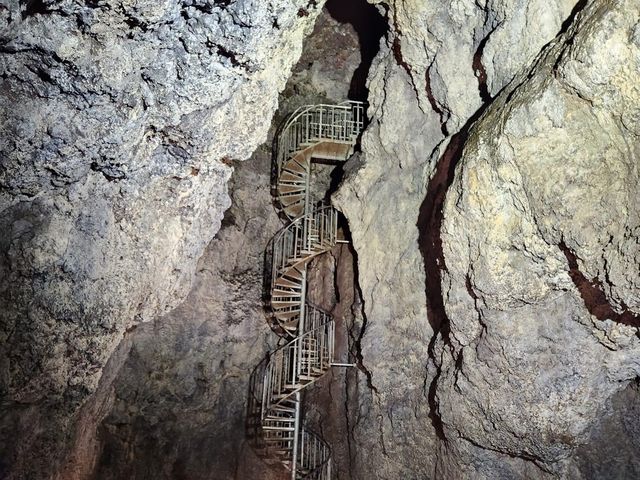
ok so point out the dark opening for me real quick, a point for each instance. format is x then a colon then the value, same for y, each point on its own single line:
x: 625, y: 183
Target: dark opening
x: 370, y: 27
x: 592, y: 292
x: 33, y: 7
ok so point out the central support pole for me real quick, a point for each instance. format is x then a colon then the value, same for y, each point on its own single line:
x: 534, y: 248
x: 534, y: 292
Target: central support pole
x: 296, y: 436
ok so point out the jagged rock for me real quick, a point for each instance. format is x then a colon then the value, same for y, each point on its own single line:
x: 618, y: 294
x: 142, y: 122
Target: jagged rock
x: 177, y: 408
x: 493, y: 212
x: 120, y: 121
x: 180, y: 398
x: 547, y: 174
x: 423, y: 88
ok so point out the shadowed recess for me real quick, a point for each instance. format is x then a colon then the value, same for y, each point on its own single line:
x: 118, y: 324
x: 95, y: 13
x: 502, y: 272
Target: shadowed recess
x: 370, y: 27
x: 594, y: 298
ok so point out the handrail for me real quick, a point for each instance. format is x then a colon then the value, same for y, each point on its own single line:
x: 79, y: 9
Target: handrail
x: 312, y: 448
x: 296, y: 241
x: 292, y: 117
x: 309, y: 352
x: 310, y: 124
x: 297, y: 360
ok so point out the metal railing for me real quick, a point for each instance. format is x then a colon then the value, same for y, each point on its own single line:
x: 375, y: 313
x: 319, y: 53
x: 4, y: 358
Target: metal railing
x: 301, y: 361
x: 314, y: 456
x: 303, y: 238
x: 311, y: 124
x: 309, y: 353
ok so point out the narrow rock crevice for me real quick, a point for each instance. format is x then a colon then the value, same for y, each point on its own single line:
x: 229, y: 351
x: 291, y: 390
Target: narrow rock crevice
x: 472, y: 293
x: 429, y: 226
x: 593, y: 295
x: 370, y: 28
x: 578, y: 7
x: 396, y: 48
x: 431, y: 215
x: 33, y: 7
x: 569, y: 21
x: 356, y: 338
x: 434, y: 407
x: 478, y: 67
x: 524, y: 456
x: 444, y: 116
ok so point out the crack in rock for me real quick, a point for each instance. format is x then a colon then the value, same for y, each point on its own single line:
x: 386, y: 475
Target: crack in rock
x: 593, y: 295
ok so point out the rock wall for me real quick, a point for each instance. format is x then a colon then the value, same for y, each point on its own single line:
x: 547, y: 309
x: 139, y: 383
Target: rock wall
x: 180, y: 399
x: 517, y: 217
x: 484, y: 359
x: 119, y: 124
x: 493, y: 309
x: 178, y: 406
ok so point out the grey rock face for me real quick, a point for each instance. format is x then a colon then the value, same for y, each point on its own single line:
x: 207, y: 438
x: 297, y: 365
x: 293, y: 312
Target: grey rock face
x: 502, y: 371
x: 178, y: 405
x: 613, y: 442
x: 180, y: 399
x: 516, y: 214
x: 118, y: 123
x: 493, y: 212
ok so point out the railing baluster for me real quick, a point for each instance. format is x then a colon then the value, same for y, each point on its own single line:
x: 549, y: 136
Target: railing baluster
x: 312, y: 348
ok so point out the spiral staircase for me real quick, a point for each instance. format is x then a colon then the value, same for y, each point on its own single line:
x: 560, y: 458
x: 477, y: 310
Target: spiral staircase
x: 330, y: 133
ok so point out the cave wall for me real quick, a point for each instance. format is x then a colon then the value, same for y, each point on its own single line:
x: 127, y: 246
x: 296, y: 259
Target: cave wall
x: 518, y: 322
x: 493, y: 306
x: 484, y: 360
x: 119, y: 123
x: 180, y: 399
x: 178, y: 405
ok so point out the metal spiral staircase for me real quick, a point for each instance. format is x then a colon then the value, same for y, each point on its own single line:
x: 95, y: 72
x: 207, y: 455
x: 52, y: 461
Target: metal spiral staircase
x: 328, y: 132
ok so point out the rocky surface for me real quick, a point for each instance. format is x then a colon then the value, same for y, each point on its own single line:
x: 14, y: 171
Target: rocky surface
x: 120, y: 120
x: 177, y: 408
x: 493, y: 306
x: 484, y: 359
x: 181, y: 396
x: 515, y: 219
x: 612, y: 449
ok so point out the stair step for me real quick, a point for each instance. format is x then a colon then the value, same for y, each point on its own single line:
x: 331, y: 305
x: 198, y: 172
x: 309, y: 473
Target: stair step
x: 284, y: 303
x: 293, y: 273
x: 294, y: 211
x: 290, y: 326
x: 282, y: 408
x: 288, y: 319
x: 292, y: 179
x: 277, y: 290
x: 284, y: 188
x: 294, y: 164
x: 279, y: 296
x: 278, y: 448
x: 278, y: 429
x: 295, y: 208
x: 275, y: 423
x: 285, y: 282
x: 284, y: 306
x: 280, y: 439
x: 288, y: 176
x: 287, y: 200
